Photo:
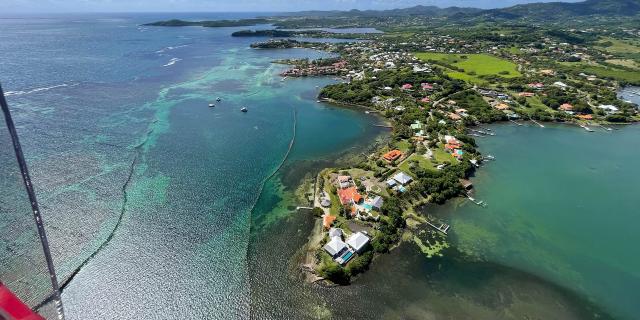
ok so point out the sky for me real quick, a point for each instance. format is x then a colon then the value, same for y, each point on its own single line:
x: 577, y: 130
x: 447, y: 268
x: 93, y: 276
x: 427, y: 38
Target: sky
x: 37, y: 6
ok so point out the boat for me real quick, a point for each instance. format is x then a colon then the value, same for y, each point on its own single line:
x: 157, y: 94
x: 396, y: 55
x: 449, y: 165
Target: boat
x: 211, y: 105
x: 218, y: 99
x: 244, y: 109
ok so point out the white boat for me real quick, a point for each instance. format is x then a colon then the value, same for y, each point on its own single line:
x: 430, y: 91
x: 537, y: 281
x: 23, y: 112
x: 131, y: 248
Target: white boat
x: 244, y: 109
x: 211, y: 105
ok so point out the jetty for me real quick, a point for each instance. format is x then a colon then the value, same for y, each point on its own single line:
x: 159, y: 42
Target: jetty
x: 482, y: 132
x: 304, y: 208
x: 585, y: 127
x: 480, y: 203
x: 444, y: 228
x: 383, y: 126
x: 536, y: 122
x: 488, y: 157
x: 517, y: 123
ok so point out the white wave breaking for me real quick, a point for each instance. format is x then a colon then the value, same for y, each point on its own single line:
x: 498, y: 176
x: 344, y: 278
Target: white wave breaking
x: 172, y: 62
x: 23, y: 92
x: 171, y: 48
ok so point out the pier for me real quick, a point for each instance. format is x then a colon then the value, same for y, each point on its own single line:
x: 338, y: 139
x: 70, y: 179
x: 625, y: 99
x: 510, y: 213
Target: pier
x: 480, y: 203
x: 482, y: 132
x: 517, y: 123
x: 383, y: 126
x: 536, y: 122
x: 304, y: 208
x: 444, y: 228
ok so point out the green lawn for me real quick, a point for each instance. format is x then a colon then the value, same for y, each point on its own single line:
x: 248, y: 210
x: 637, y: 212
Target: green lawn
x: 620, y: 46
x: 422, y: 161
x: 603, y: 71
x: 402, y: 145
x: 442, y: 156
x: 474, y: 65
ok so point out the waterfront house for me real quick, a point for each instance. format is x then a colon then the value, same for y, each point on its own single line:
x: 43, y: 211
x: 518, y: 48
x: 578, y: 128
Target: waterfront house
x: 344, y: 181
x: 407, y: 86
x: 392, y: 155
x: 327, y: 220
x: 349, y: 196
x: 609, y: 109
x: 335, y: 246
x: 526, y: 94
x: 358, y: 241
x: 502, y: 106
x: 335, y: 232
x: 566, y: 107
x: 585, y: 117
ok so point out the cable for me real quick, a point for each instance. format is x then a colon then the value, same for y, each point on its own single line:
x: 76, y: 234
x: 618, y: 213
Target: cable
x: 34, y: 205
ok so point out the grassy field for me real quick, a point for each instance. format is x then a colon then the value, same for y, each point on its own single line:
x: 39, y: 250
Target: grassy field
x: 629, y: 63
x: 422, y: 161
x: 620, y: 46
x: 474, y: 65
x: 604, y: 71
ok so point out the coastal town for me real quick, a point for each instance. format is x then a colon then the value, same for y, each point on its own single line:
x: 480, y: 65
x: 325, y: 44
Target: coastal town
x: 436, y: 88
x: 436, y: 91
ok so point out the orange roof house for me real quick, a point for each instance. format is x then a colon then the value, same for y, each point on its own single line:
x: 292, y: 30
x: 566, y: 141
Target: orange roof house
x: 502, y: 106
x: 392, y: 155
x: 585, y: 117
x: 327, y: 220
x: 526, y: 94
x: 349, y: 195
x: 566, y: 107
x: 454, y: 116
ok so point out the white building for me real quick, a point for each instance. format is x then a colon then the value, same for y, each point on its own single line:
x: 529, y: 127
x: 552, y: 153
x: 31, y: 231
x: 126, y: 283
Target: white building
x: 402, y: 178
x: 358, y: 241
x: 335, y: 246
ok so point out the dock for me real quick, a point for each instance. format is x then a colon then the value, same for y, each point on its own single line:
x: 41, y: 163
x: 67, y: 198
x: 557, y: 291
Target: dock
x: 304, y: 208
x: 480, y: 203
x: 517, y: 123
x: 482, y: 132
x: 444, y: 228
x: 585, y: 127
x: 383, y: 126
x: 536, y: 122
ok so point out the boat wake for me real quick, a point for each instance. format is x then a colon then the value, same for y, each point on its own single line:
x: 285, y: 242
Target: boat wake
x: 24, y: 92
x: 165, y: 49
x: 172, y: 62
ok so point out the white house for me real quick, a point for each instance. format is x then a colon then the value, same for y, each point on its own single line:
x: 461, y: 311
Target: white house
x: 335, y: 246
x: 608, y: 108
x: 358, y: 241
x: 376, y: 202
x: 402, y: 178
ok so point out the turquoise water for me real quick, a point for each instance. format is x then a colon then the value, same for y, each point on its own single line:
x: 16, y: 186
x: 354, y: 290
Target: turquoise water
x: 114, y: 121
x: 116, y: 128
x: 563, y: 206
